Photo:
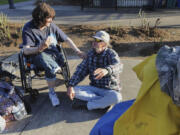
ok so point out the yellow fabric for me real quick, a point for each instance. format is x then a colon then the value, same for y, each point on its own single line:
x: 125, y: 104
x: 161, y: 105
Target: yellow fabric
x: 153, y: 112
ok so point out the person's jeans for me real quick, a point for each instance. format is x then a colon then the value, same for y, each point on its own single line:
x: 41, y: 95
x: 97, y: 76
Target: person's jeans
x: 98, y: 98
x: 50, y: 62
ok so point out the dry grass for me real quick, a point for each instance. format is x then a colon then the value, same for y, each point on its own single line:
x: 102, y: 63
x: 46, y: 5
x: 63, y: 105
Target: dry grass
x: 9, y: 33
x: 122, y: 38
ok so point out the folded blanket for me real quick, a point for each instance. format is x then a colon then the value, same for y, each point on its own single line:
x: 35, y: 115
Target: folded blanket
x: 153, y: 112
x: 106, y: 123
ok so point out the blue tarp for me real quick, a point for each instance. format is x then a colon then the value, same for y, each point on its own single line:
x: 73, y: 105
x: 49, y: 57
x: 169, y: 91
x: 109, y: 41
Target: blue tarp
x: 106, y: 123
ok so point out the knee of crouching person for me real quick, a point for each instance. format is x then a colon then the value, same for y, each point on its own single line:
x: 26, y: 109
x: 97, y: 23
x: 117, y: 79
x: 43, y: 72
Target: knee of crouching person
x: 117, y: 97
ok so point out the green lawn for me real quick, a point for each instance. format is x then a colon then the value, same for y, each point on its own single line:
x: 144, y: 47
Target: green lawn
x: 2, y: 2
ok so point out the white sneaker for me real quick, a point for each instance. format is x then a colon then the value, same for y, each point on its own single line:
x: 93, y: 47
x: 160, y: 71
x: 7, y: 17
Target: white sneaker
x: 58, y: 70
x: 54, y: 99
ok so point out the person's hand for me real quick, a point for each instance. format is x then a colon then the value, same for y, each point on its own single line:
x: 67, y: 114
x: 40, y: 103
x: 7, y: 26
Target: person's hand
x: 48, y: 41
x: 70, y: 92
x: 81, y: 54
x: 46, y: 44
x: 100, y: 73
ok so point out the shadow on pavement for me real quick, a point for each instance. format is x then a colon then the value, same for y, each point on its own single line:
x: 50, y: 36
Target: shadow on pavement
x: 43, y: 114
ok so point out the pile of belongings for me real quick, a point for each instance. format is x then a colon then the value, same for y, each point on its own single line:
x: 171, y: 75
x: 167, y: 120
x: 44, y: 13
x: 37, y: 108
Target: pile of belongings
x: 12, y: 103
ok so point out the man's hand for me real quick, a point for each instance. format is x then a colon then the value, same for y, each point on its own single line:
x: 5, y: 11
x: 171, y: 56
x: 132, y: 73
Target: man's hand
x: 70, y: 92
x: 81, y: 54
x: 100, y: 73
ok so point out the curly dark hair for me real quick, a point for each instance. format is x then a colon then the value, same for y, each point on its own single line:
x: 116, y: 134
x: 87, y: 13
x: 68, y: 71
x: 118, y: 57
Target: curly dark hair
x: 41, y: 12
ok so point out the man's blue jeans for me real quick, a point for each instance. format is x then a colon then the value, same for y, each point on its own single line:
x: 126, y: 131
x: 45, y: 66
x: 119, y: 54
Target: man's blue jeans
x: 97, y: 97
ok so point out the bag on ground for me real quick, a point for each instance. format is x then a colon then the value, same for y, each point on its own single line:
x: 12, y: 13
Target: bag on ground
x: 11, y: 105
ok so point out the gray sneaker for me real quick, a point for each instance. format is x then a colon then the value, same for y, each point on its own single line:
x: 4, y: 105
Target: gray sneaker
x: 54, y: 99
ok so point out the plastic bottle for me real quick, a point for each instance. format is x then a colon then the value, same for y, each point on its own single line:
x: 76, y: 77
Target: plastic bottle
x: 2, y: 124
x: 19, y: 111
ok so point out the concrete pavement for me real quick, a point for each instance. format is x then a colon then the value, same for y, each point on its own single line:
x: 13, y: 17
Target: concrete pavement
x: 46, y: 120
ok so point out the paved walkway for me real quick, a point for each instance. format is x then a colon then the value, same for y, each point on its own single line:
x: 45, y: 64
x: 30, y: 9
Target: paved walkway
x: 63, y: 120
x: 73, y: 15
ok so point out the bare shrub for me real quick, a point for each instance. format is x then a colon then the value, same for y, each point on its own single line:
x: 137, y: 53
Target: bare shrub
x: 4, y: 28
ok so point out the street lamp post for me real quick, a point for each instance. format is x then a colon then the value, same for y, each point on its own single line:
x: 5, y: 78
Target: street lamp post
x: 11, y: 4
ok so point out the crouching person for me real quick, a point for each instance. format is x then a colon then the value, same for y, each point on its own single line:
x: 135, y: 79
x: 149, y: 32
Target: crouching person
x: 103, y: 66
